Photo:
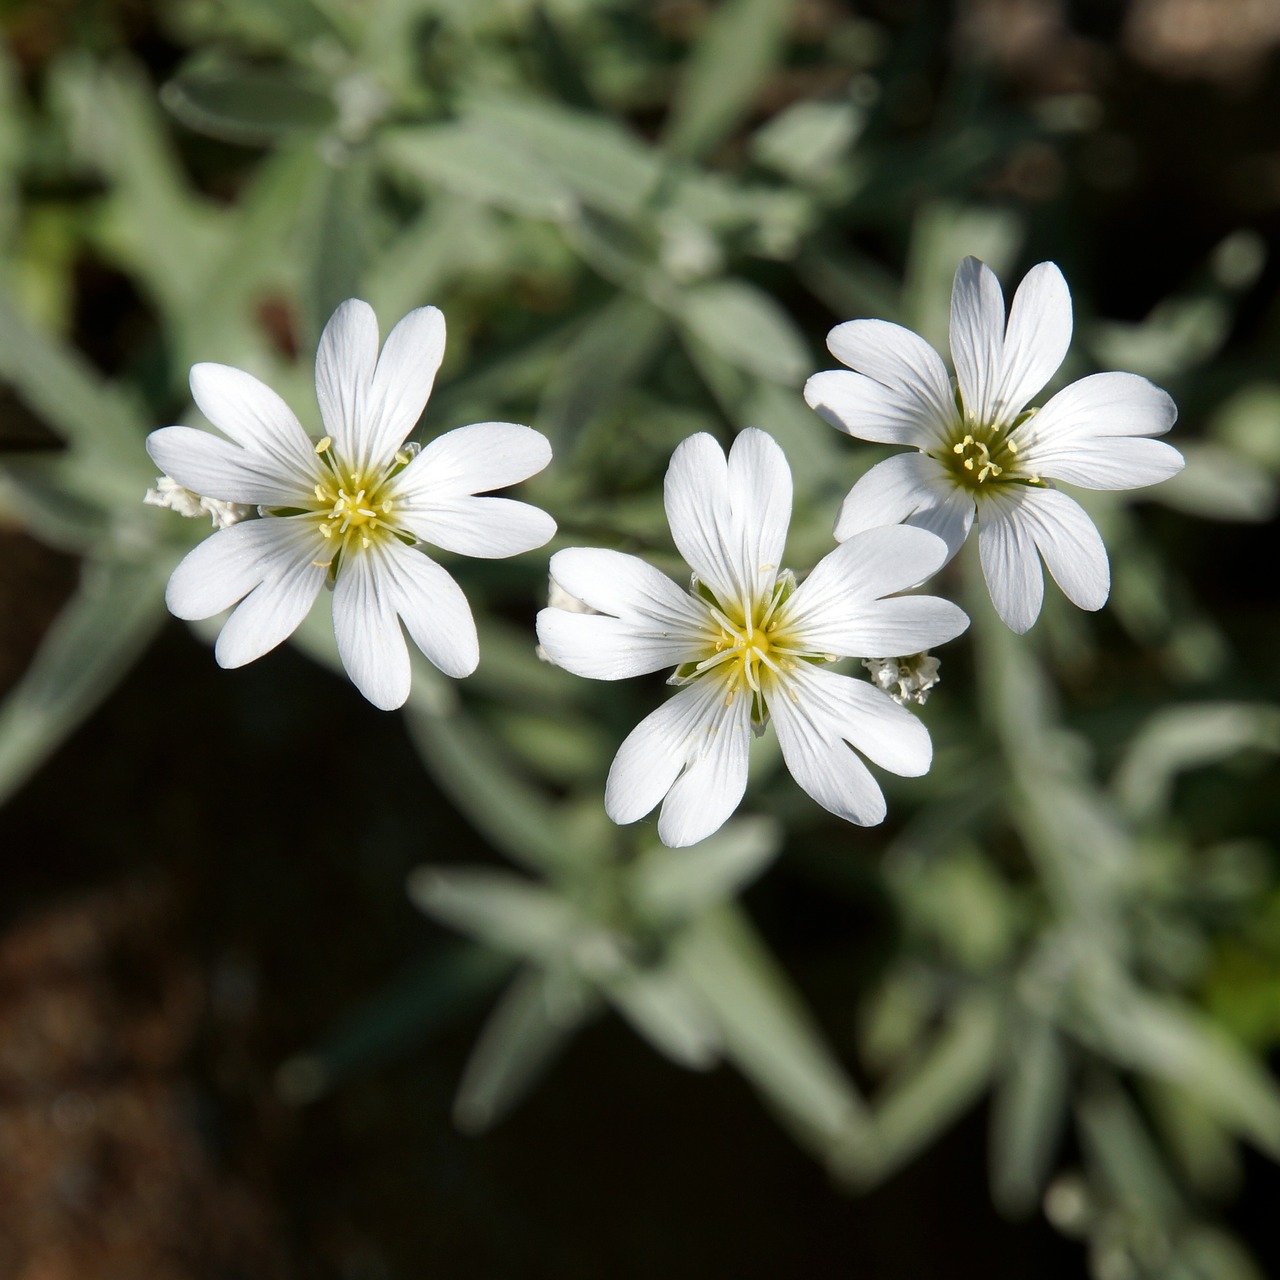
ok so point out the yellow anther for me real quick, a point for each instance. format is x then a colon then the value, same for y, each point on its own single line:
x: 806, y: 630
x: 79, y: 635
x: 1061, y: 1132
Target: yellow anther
x: 323, y: 444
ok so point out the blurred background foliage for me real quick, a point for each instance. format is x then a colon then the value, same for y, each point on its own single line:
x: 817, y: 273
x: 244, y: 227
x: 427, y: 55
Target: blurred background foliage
x: 1027, y: 1023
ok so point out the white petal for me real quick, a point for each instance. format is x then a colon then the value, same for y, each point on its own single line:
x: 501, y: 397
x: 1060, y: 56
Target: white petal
x: 1009, y: 561
x: 890, y: 492
x: 705, y: 796
x: 1037, y: 339
x: 229, y: 564
x: 402, y: 381
x: 729, y: 518
x: 603, y: 648
x: 475, y: 459
x: 435, y: 610
x: 1094, y: 434
x: 629, y: 588
x: 291, y: 579
x: 695, y: 731
x: 899, y: 392
x: 950, y: 520
x: 250, y: 413
x: 487, y: 528
x: 370, y: 642
x: 345, y: 363
x: 859, y: 713
x: 696, y: 494
x: 1070, y: 544
x: 909, y: 487
x: 866, y: 410
x: 838, y: 608
x: 977, y: 336
x: 760, y: 502
x: 216, y: 468
x: 826, y: 712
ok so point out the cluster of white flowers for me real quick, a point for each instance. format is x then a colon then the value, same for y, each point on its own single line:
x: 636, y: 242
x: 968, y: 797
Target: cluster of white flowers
x: 748, y: 643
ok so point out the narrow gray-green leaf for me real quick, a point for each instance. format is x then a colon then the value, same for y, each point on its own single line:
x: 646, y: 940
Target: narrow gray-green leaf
x: 499, y: 908
x: 474, y: 162
x: 721, y: 79
x: 663, y: 1008
x: 116, y: 610
x: 745, y: 326
x: 674, y: 884
x: 530, y: 1024
x: 1027, y: 1115
x: 765, y: 1029
x: 248, y: 104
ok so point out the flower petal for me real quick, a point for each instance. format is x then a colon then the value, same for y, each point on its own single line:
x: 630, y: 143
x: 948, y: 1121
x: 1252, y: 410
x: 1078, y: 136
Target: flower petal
x: 1036, y: 343
x: 1094, y: 434
x: 216, y: 468
x: 487, y: 528
x: 370, y: 642
x: 345, y: 363
x: 599, y: 647
x: 250, y: 413
x: 435, y: 610
x: 1070, y: 544
x: 729, y: 518
x: 890, y: 492
x: 402, y: 380
x: 475, y: 459
x: 838, y: 608
x: 821, y: 712
x: 977, y: 336
x: 696, y: 732
x: 760, y: 502
x: 228, y: 565
x: 628, y: 587
x: 899, y: 392
x: 1009, y: 560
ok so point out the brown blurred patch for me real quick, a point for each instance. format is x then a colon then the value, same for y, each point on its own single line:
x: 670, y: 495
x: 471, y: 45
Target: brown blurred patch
x: 104, y: 1171
x: 1222, y: 40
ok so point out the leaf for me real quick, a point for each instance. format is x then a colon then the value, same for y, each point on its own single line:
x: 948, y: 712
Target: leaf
x: 745, y: 326
x: 431, y: 994
x: 252, y: 105
x: 1117, y: 1142
x: 531, y: 1023
x: 724, y: 73
x: 1177, y: 739
x: 765, y: 1029
x: 661, y: 1006
x: 116, y: 610
x: 615, y: 346
x: 1027, y: 1115
x: 499, y: 908
x: 603, y: 164
x: 1163, y: 1038
x: 1218, y: 484
x: 675, y: 884
x: 807, y: 139
x: 58, y: 384
x: 472, y: 161
x: 933, y: 1094
x: 501, y: 806
x: 337, y: 244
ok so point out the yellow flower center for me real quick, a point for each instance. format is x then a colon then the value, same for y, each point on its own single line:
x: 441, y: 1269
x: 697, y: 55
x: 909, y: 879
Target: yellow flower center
x: 979, y: 456
x: 355, y: 507
x: 749, y: 648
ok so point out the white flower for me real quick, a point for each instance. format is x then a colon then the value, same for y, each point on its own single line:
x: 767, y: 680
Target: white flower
x: 349, y: 509
x: 169, y: 493
x: 749, y: 645
x: 981, y: 450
